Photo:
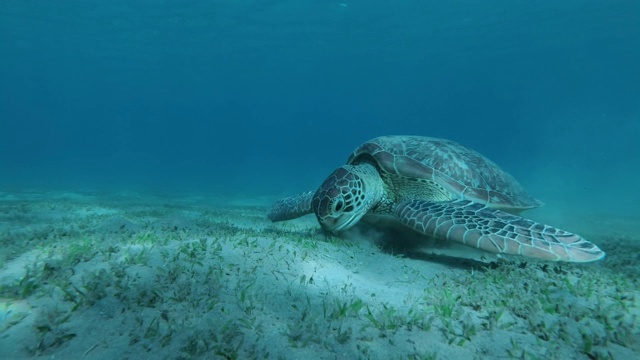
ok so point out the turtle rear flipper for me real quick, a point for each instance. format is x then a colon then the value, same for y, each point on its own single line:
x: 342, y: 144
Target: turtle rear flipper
x: 475, y: 225
x: 291, y: 207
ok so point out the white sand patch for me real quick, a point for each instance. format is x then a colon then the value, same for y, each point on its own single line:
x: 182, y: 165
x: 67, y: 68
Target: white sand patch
x: 15, y: 269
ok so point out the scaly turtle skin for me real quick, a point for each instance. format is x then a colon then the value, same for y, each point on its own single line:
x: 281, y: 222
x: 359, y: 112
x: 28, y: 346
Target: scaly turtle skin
x: 438, y: 188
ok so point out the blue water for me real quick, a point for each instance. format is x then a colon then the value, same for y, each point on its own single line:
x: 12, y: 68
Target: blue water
x: 266, y: 97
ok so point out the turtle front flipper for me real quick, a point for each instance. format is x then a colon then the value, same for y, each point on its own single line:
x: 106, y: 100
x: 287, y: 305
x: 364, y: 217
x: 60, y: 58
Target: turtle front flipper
x: 476, y: 225
x: 291, y: 207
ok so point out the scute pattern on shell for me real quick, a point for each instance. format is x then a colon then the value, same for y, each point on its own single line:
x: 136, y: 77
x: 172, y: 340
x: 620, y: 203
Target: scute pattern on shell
x: 457, y: 168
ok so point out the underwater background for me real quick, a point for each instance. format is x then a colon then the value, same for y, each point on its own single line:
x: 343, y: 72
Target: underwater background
x: 267, y: 97
x: 142, y: 143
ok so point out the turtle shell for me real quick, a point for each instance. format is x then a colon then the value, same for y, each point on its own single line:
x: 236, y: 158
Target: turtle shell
x: 461, y: 171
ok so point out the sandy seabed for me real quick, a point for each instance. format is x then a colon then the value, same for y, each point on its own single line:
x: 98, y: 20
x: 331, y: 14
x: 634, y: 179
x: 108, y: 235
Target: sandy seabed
x: 135, y: 276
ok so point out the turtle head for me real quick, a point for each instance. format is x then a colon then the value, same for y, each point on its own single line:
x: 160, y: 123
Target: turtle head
x: 343, y: 199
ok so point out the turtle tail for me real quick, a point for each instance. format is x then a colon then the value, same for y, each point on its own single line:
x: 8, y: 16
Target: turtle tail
x: 291, y: 207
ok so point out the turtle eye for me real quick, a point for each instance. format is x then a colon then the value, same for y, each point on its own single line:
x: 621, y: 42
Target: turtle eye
x: 338, y: 204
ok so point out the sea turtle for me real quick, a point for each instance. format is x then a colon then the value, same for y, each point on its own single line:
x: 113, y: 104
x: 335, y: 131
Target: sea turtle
x: 438, y: 188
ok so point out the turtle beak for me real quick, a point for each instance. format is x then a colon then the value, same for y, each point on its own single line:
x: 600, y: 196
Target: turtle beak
x: 339, y: 223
